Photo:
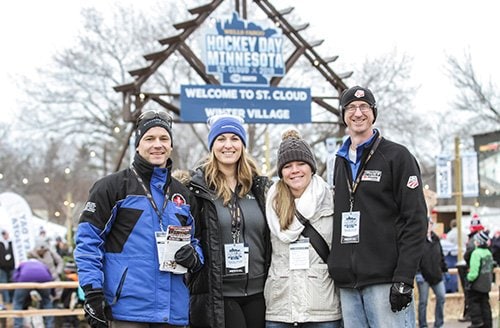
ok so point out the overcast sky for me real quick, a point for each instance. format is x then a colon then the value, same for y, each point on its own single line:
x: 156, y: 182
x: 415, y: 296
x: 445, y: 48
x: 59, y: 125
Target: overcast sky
x: 32, y: 30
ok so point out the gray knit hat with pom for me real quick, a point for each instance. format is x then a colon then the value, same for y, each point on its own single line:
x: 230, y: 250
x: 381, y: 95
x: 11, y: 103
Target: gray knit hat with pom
x: 294, y: 148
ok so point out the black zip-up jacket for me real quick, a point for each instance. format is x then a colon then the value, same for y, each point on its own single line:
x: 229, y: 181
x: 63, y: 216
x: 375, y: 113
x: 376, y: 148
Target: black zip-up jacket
x: 6, y: 262
x: 393, y: 217
x: 207, y: 300
x: 432, y: 264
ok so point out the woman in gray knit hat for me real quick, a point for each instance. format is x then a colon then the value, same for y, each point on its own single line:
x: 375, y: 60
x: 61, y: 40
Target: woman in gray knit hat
x: 298, y: 288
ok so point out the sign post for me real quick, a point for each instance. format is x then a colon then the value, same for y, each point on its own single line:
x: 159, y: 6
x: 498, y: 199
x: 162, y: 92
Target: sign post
x: 458, y: 196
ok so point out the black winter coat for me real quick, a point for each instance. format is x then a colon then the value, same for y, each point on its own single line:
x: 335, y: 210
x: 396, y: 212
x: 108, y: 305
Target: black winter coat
x: 393, y: 217
x: 207, y: 300
x: 432, y: 264
x: 6, y: 257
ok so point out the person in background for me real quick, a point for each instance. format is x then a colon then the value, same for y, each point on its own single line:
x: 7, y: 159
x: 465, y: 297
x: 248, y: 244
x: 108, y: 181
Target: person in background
x: 495, y: 247
x: 474, y: 228
x: 62, y: 247
x: 52, y: 260
x: 121, y: 238
x: 430, y: 274
x: 6, y: 264
x: 228, y: 291
x: 463, y: 268
x: 299, y: 294
x: 452, y: 235
x: 480, y: 279
x: 380, y: 221
x: 32, y: 270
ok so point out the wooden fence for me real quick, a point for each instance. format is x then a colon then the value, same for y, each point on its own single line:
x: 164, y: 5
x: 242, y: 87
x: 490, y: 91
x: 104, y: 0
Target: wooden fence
x: 40, y: 312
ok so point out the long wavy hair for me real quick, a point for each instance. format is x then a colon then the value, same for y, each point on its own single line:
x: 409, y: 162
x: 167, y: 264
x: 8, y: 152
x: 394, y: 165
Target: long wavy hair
x: 284, y: 204
x: 216, y: 180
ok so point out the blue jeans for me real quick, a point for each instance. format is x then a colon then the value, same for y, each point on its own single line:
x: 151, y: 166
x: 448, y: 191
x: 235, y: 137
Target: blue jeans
x: 5, y: 277
x: 423, y: 292
x: 369, y: 307
x: 18, y: 303
x: 324, y: 324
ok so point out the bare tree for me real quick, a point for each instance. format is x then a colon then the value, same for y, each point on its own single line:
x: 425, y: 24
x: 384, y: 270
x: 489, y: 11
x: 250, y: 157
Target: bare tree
x: 476, y: 96
x: 74, y: 99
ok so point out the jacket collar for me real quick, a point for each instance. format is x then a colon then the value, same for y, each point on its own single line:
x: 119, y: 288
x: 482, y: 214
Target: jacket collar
x: 146, y: 169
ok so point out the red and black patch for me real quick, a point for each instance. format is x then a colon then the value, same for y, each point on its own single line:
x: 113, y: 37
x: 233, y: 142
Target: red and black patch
x: 178, y: 199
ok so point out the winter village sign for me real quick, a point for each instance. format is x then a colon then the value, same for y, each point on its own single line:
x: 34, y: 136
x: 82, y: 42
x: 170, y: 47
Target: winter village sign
x: 245, y: 56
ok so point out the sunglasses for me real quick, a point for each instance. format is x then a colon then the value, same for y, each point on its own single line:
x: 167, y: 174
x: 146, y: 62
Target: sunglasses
x: 151, y: 114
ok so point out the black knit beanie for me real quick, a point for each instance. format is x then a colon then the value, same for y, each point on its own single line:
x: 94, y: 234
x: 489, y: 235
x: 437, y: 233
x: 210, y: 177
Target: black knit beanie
x: 294, y: 148
x: 358, y: 93
x: 150, y: 119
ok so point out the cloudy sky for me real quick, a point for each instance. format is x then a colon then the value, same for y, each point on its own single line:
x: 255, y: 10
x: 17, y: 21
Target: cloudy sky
x: 31, y: 31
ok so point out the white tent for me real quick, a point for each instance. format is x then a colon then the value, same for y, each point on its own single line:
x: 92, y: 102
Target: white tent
x: 16, y: 217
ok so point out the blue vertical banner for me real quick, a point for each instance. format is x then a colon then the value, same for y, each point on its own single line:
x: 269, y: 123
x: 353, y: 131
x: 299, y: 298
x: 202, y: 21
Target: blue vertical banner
x: 470, y: 176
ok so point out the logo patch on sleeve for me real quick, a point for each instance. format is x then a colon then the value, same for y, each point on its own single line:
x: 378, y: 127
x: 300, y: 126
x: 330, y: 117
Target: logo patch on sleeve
x: 371, y: 175
x: 178, y: 199
x: 412, y: 182
x: 90, y: 207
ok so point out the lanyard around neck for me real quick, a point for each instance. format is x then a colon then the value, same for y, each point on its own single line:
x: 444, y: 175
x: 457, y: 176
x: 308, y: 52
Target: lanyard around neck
x: 151, y: 200
x: 354, y: 186
x: 236, y: 217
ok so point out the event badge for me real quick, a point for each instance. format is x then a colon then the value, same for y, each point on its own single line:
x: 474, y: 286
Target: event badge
x: 236, y: 258
x: 350, y: 228
x: 299, y: 254
x: 161, y: 238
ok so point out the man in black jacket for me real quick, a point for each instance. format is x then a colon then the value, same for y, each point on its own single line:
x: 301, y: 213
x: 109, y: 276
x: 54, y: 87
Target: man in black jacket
x: 430, y: 274
x: 380, y: 220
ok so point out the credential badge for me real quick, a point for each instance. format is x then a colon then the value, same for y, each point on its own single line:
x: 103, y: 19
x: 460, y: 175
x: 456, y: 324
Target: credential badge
x: 371, y: 175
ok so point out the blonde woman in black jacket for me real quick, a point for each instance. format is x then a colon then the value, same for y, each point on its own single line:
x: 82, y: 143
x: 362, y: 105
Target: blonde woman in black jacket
x: 231, y: 226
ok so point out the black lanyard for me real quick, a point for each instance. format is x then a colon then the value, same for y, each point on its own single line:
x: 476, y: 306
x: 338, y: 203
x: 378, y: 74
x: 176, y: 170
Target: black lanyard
x: 151, y: 200
x: 354, y: 186
x: 236, y: 217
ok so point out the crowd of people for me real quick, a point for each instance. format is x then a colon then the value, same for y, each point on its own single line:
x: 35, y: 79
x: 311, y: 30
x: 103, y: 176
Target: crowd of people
x: 224, y: 246
x: 481, y: 250
x: 44, y: 263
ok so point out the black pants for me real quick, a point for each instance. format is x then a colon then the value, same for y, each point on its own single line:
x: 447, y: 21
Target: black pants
x: 245, y: 312
x: 462, y: 274
x: 479, y: 308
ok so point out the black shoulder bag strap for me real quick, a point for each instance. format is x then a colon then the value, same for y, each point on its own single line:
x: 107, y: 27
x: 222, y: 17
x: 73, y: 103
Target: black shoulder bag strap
x: 318, y: 243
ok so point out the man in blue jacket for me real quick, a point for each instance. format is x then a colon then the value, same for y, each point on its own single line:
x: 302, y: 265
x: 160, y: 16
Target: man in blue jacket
x: 380, y: 221
x: 121, y: 238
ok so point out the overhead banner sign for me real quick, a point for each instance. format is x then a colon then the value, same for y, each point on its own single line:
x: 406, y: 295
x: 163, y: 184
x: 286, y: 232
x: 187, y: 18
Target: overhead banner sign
x: 470, y: 179
x: 443, y: 176
x: 243, y: 52
x: 253, y: 104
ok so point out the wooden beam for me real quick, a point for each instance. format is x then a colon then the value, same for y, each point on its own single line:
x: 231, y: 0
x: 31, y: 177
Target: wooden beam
x: 39, y: 285
x: 41, y: 312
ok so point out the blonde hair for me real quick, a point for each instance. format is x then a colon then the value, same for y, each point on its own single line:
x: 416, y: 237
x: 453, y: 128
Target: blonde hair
x: 215, y: 179
x: 284, y: 204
